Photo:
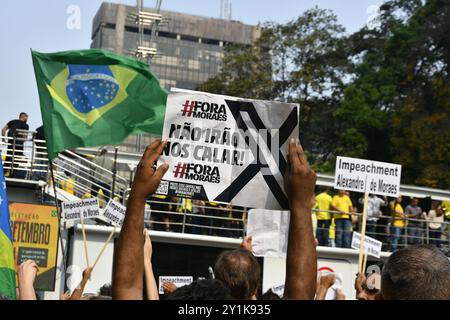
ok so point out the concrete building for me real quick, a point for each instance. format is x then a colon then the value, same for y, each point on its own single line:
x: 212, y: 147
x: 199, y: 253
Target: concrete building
x: 190, y: 48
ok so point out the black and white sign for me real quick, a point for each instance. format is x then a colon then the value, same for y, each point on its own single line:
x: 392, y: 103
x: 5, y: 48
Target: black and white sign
x: 177, y: 281
x: 80, y: 209
x: 372, y: 247
x: 114, y: 213
x: 226, y: 149
x: 367, y: 176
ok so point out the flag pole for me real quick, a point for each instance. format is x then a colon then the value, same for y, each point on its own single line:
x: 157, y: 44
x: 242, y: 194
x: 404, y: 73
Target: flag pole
x: 104, y: 246
x: 113, y: 187
x: 83, y: 232
x: 58, y: 210
x: 363, y: 234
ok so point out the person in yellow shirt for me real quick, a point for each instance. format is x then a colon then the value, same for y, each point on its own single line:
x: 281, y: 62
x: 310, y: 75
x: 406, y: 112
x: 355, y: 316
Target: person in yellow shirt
x: 323, y: 205
x: 398, y: 222
x: 343, y: 230
x: 68, y: 184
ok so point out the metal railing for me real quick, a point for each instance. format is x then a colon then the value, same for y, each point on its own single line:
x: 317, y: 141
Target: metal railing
x: 219, y: 220
x: 414, y: 231
x: 25, y: 157
x: 83, y: 178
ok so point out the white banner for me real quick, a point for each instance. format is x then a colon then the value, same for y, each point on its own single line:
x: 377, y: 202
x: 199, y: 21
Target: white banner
x: 177, y: 281
x: 367, y: 176
x: 372, y: 247
x: 269, y: 230
x: 114, y: 213
x: 224, y: 149
x: 80, y: 209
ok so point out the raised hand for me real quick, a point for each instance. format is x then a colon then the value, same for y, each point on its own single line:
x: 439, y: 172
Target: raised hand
x: 147, y: 177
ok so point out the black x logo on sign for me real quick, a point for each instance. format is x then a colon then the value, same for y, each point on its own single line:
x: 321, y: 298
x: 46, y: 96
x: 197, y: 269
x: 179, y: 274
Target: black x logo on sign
x: 237, y: 108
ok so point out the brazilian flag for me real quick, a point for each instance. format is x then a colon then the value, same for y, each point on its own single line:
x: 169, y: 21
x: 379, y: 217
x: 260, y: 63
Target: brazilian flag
x: 94, y: 97
x: 7, y: 272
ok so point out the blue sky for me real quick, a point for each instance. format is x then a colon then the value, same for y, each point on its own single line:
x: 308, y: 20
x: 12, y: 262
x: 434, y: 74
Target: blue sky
x: 42, y: 26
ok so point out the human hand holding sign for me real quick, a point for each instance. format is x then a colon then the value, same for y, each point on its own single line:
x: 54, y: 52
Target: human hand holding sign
x: 247, y: 243
x: 78, y: 292
x: 26, y: 274
x: 169, y: 288
x: 128, y: 264
x: 301, y: 260
x: 325, y: 282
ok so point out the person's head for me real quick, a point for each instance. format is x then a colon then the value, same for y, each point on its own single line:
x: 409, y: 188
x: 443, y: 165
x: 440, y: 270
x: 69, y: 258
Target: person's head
x: 435, y: 205
x: 416, y: 273
x: 210, y: 289
x: 67, y: 173
x: 414, y: 202
x: 399, y: 199
x: 270, y: 295
x: 105, y: 290
x: 240, y: 272
x: 23, y: 117
x: 342, y: 193
x: 326, y: 189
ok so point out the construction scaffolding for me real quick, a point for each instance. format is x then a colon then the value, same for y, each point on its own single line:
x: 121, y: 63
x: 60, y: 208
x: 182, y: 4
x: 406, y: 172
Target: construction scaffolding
x: 146, y: 50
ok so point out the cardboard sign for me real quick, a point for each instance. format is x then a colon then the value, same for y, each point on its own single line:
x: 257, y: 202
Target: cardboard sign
x: 371, y: 246
x: 80, y: 209
x: 177, y: 281
x: 367, y: 176
x: 35, y: 231
x: 114, y: 213
x: 222, y: 149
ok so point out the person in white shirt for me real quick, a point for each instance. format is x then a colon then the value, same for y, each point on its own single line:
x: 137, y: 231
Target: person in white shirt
x: 373, y: 213
x: 435, y: 217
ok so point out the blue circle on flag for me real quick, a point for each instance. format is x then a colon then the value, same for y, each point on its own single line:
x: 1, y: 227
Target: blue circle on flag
x: 90, y: 87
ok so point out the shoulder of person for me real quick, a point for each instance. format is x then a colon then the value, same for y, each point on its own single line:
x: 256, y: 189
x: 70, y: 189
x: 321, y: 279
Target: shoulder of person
x: 12, y: 122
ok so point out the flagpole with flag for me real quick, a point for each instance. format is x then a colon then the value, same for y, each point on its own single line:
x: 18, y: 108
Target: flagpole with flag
x: 7, y: 271
x: 95, y: 97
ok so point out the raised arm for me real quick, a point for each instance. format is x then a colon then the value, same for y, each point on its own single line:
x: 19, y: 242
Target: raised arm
x: 150, y: 282
x: 128, y: 264
x: 78, y: 292
x: 301, y: 261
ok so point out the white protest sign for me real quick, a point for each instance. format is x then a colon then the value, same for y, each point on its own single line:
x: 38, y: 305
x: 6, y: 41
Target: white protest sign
x: 114, y: 213
x: 80, y: 209
x: 178, y: 281
x: 371, y: 246
x: 367, y: 176
x: 269, y: 230
x: 223, y: 148
x: 331, y: 294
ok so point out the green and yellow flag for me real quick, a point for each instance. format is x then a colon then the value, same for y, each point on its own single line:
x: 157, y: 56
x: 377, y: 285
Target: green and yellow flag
x: 94, y: 97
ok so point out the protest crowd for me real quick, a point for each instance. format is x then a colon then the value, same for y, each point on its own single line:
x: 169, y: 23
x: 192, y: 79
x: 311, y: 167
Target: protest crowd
x: 396, y: 222
x: 407, y: 274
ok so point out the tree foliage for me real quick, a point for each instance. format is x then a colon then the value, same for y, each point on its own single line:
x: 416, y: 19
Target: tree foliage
x: 381, y: 93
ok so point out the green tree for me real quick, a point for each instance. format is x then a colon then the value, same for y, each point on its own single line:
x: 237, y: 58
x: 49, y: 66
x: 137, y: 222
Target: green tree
x: 246, y: 70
